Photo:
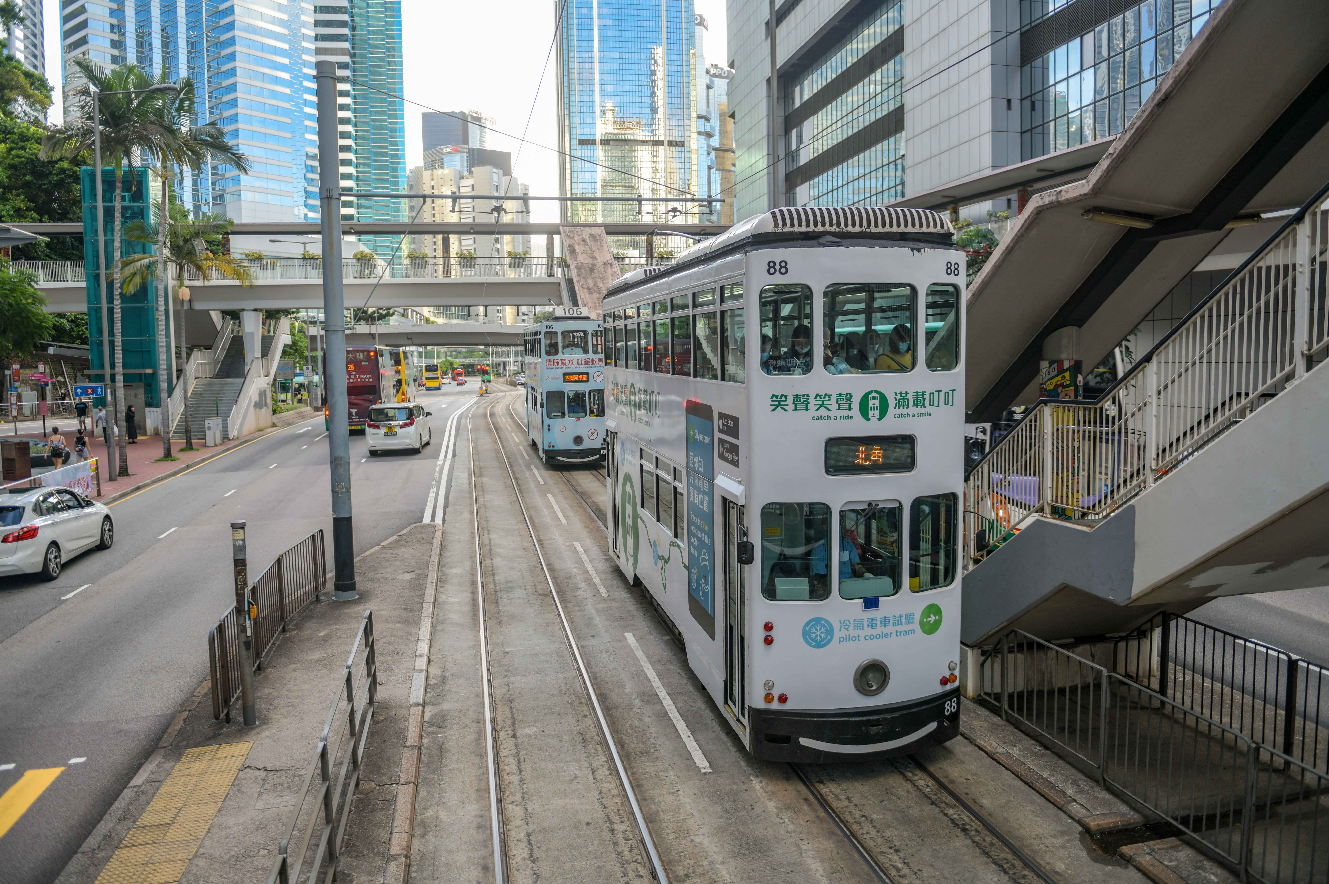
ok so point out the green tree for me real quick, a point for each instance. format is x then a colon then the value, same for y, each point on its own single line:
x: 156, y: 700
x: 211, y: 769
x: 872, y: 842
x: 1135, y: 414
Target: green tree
x: 978, y: 244
x: 298, y: 350
x: 69, y: 328
x: 24, y: 322
x: 24, y: 94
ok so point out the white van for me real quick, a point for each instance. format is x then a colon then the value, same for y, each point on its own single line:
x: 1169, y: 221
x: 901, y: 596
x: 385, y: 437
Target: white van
x: 393, y: 426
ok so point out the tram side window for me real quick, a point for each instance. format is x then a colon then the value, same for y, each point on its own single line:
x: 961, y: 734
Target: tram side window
x: 869, y: 551
x: 630, y: 334
x: 576, y: 403
x: 555, y: 404
x: 941, y: 320
x: 733, y: 342
x: 575, y: 342
x: 790, y: 533
x: 597, y: 341
x: 868, y: 328
x: 932, y: 542
x: 706, y: 345
x: 648, y: 484
x: 662, y: 346
x: 643, y: 346
x: 665, y: 497
x: 597, y: 403
x: 618, y: 346
x: 680, y: 512
x: 683, y: 345
x: 551, y: 343
x: 786, y: 329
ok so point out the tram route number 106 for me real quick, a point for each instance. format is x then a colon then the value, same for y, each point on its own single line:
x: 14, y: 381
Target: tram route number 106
x: 777, y: 268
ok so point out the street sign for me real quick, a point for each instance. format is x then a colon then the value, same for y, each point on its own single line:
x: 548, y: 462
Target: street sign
x: 87, y: 391
x: 285, y: 370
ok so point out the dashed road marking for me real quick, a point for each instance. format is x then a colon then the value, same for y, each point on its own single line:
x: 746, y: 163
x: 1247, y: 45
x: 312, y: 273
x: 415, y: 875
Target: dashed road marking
x: 595, y: 578
x: 537, y: 474
x: 316, y: 438
x: 303, y: 447
x: 229, y: 493
x: 79, y: 760
x: 6, y: 767
x: 176, y: 528
x: 80, y: 589
x: 363, y: 459
x: 272, y: 466
x: 558, y: 512
x: 303, y: 430
x: 702, y: 764
x: 20, y: 796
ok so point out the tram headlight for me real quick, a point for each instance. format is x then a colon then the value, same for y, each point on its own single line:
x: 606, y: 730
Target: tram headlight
x: 871, y: 677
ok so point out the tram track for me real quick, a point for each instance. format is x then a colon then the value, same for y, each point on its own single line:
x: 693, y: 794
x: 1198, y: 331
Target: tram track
x: 521, y: 775
x: 858, y: 840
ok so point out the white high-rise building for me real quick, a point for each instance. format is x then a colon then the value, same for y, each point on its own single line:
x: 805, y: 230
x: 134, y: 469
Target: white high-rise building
x: 26, y: 38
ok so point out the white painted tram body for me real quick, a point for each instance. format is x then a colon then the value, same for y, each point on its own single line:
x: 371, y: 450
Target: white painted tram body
x: 564, y: 363
x: 837, y: 456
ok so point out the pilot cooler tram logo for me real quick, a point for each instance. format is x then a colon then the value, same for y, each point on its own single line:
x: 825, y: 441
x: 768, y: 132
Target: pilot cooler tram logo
x: 818, y: 632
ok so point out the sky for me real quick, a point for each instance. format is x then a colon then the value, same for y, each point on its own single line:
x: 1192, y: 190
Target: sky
x: 498, y: 64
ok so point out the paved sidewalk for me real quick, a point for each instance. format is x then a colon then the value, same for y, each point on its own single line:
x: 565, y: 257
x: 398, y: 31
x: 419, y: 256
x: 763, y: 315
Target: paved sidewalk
x: 211, y: 804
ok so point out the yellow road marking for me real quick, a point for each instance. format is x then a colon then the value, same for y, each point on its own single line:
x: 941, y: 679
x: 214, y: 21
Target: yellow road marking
x: 163, y: 841
x: 16, y: 801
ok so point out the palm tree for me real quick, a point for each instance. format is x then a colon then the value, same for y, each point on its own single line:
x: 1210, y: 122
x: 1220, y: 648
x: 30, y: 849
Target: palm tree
x: 190, y: 146
x: 130, y: 124
x: 186, y: 245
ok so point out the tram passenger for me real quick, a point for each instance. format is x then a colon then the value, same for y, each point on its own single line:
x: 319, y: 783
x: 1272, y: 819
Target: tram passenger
x: 765, y: 348
x: 798, y: 358
x: 898, y: 355
x: 849, y: 559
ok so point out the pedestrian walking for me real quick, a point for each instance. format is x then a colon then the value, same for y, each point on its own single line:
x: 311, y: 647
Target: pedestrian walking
x: 102, y: 425
x: 131, y: 425
x: 80, y: 447
x: 57, y: 448
x: 81, y: 410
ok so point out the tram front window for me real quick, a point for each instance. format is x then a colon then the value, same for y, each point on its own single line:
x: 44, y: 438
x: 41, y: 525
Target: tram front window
x: 551, y: 343
x: 597, y: 341
x: 555, y: 405
x: 790, y: 536
x: 869, y: 551
x: 576, y: 403
x: 932, y: 542
x: 786, y: 329
x: 576, y: 343
x: 597, y: 403
x: 941, y: 319
x: 868, y: 328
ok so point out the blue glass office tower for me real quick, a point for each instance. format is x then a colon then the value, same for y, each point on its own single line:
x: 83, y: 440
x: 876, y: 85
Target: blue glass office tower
x: 627, y: 117
x: 380, y: 136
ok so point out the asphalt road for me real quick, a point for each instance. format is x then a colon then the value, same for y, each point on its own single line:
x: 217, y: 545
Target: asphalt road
x: 91, y: 681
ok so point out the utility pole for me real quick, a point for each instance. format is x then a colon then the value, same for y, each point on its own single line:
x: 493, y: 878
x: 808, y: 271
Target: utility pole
x: 334, y: 315
x: 110, y: 425
x: 244, y: 620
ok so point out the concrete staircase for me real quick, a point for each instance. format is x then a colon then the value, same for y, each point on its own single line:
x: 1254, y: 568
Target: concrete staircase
x: 233, y: 363
x: 211, y: 397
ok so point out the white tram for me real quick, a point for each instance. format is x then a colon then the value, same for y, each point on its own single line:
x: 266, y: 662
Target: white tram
x: 564, y: 362
x: 734, y: 469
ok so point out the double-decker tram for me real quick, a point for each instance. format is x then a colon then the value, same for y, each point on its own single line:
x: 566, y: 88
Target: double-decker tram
x: 564, y: 360
x: 790, y: 494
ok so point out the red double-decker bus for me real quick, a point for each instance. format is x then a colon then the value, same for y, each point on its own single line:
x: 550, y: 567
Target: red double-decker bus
x: 369, y: 381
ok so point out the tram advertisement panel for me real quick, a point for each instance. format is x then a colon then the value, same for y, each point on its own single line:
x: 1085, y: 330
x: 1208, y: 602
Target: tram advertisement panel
x: 701, y: 519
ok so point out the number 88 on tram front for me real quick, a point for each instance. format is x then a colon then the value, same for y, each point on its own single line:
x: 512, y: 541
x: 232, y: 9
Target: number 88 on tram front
x: 785, y: 435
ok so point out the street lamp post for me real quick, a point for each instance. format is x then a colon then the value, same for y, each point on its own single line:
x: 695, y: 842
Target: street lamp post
x: 184, y: 367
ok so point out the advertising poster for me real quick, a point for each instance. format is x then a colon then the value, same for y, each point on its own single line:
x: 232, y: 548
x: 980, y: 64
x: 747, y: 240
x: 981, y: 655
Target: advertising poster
x: 701, y: 516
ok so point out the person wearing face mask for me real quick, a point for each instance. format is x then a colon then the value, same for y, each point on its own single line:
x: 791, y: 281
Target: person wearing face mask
x: 898, y: 355
x: 765, y: 348
x: 800, y: 350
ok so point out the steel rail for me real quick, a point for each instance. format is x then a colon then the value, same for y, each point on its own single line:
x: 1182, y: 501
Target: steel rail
x: 657, y: 866
x: 843, y: 826
x: 491, y: 734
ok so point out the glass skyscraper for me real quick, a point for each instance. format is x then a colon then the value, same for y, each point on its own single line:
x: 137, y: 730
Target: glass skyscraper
x: 380, y: 136
x: 627, y: 115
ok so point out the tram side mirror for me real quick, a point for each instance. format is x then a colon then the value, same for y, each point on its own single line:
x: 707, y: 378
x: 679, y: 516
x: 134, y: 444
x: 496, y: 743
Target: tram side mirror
x: 746, y: 554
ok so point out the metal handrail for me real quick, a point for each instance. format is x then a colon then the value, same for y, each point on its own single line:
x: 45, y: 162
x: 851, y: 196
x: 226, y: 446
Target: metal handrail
x: 235, y: 420
x: 1244, y: 343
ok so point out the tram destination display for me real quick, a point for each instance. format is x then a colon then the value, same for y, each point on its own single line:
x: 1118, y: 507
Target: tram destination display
x: 576, y: 377
x: 869, y: 455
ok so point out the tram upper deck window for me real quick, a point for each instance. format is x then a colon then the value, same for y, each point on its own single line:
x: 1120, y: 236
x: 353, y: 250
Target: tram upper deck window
x: 576, y: 342
x: 597, y: 341
x: 630, y: 345
x: 597, y: 402
x: 555, y: 404
x: 661, y: 308
x: 644, y: 346
x: 731, y: 293
x: 932, y: 542
x: 733, y: 341
x: 786, y: 329
x: 551, y: 343
x: 869, y: 551
x: 941, y: 320
x: 704, y: 298
x: 682, y: 345
x: 790, y: 533
x: 679, y: 302
x: 576, y: 403
x: 661, y: 345
x: 868, y: 328
x: 706, y: 345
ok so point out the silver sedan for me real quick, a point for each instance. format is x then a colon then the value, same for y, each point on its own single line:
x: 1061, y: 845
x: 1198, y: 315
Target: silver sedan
x: 43, y: 528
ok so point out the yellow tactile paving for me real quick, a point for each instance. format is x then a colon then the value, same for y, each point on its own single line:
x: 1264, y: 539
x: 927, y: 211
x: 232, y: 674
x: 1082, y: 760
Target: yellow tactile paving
x: 163, y: 841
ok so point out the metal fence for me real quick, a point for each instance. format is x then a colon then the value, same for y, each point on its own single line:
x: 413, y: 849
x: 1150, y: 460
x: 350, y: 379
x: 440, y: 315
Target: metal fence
x: 1266, y: 325
x: 325, y: 801
x: 514, y: 267
x: 291, y: 584
x: 1249, y: 805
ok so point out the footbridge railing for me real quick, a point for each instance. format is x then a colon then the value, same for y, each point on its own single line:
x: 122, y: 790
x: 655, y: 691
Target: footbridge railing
x: 1258, y: 332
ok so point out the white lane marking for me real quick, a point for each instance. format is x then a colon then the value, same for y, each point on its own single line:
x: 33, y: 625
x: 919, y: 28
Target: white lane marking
x: 594, y: 577
x: 78, y: 760
x: 303, y: 430
x: 693, y: 748
x: 160, y: 536
x: 6, y: 767
x: 272, y: 466
x: 303, y: 447
x: 514, y: 439
x: 362, y: 460
x: 537, y: 474
x: 83, y: 587
x: 558, y: 512
x: 438, y: 492
x: 316, y: 438
x: 229, y: 493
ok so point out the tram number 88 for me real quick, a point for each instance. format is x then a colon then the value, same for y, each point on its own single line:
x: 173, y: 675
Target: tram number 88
x: 777, y: 268
x: 952, y: 268
x: 952, y: 706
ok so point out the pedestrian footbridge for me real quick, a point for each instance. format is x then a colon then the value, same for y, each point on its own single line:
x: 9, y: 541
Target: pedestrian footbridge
x: 1201, y: 473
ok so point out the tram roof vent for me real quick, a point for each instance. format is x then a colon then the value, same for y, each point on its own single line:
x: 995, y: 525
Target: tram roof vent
x: 822, y: 220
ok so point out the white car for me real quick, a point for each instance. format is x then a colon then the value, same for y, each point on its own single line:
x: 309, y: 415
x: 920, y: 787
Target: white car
x: 521, y: 380
x: 395, y: 426
x: 43, y: 528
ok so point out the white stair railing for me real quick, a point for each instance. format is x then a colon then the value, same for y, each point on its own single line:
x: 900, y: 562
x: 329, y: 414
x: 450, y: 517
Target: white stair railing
x: 1259, y: 331
x: 245, y: 401
x: 200, y: 364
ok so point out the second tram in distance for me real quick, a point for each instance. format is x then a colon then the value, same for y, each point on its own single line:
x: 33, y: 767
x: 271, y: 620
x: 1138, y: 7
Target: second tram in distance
x: 789, y: 493
x: 564, y: 361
